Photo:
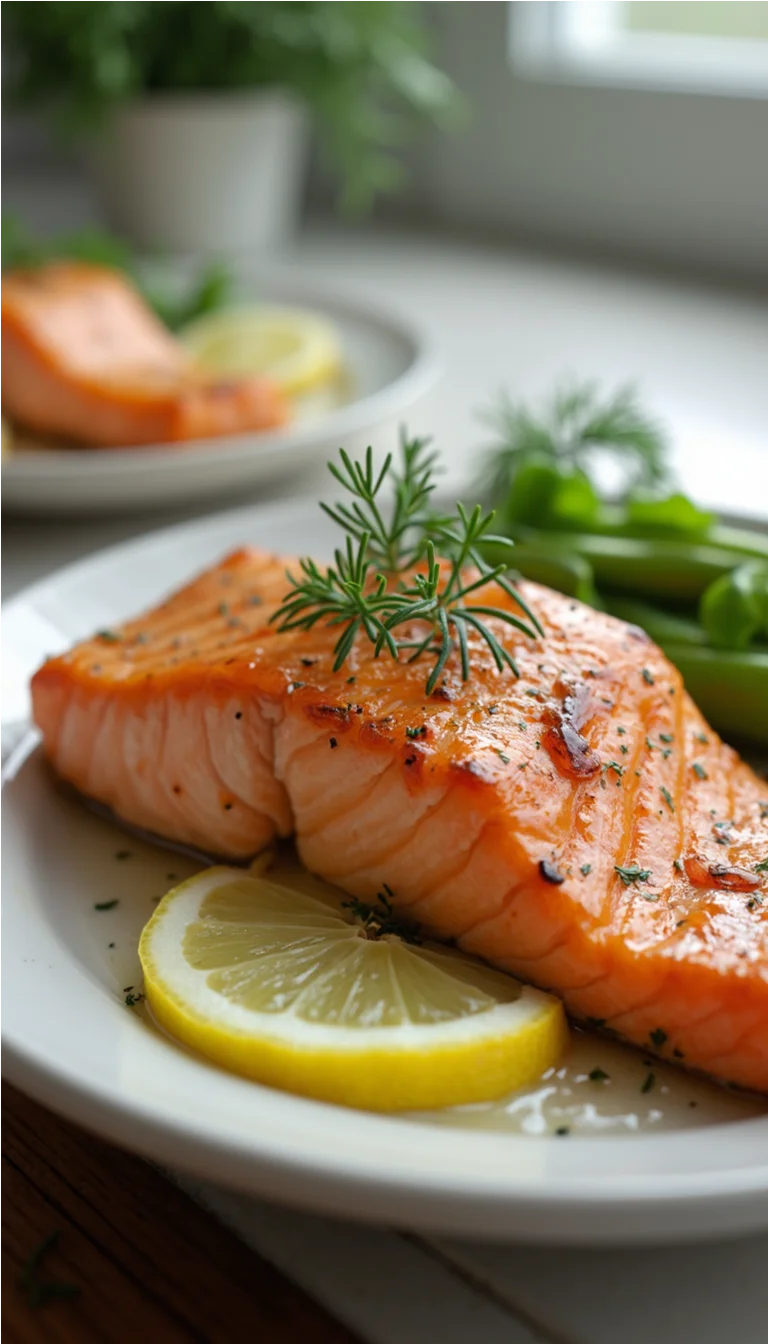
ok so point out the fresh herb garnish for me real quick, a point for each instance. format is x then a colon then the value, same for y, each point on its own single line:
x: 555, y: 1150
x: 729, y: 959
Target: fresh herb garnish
x: 667, y: 796
x: 132, y: 996
x: 632, y: 874
x: 598, y: 1075
x: 699, y: 771
x: 649, y: 1082
x: 38, y: 1290
x: 762, y: 867
x: 648, y: 677
x: 106, y: 905
x: 365, y: 591
x: 416, y: 732
x: 380, y: 919
x: 586, y: 869
x: 502, y: 755
x: 109, y: 636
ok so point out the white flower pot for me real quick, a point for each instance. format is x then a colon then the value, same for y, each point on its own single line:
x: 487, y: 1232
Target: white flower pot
x: 204, y: 172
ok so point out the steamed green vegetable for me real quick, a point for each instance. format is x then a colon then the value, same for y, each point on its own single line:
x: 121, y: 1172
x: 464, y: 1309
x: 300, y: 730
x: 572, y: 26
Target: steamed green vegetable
x: 650, y: 558
x: 671, y: 570
x: 734, y: 609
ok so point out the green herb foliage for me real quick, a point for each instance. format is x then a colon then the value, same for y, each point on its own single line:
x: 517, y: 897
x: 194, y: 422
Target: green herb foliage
x: 174, y: 304
x: 360, y: 68
x: 576, y: 427
x: 361, y: 598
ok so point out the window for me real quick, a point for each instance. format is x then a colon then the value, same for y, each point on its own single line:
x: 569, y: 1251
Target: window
x: 701, y: 47
x: 630, y: 130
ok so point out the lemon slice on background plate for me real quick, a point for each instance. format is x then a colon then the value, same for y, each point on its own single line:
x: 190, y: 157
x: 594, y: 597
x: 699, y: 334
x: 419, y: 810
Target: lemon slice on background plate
x: 298, y: 349
x: 272, y: 975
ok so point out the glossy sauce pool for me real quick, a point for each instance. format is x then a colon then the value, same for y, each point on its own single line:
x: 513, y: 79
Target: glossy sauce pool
x: 638, y: 1093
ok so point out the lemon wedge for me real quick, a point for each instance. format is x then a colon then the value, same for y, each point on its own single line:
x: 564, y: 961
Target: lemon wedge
x: 297, y: 349
x: 271, y: 975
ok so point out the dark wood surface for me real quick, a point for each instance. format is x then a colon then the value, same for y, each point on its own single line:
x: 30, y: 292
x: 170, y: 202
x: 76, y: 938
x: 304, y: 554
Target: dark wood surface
x: 129, y: 1257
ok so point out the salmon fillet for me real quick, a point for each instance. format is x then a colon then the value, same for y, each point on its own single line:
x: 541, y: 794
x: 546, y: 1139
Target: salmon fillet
x: 580, y: 826
x: 85, y: 359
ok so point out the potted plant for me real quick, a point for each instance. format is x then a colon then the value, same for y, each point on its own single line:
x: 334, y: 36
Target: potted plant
x: 197, y: 115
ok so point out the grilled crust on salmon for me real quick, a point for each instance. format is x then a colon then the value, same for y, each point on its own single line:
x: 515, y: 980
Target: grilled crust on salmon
x: 579, y: 826
x: 86, y: 360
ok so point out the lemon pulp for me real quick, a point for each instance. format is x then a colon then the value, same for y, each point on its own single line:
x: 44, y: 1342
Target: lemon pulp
x: 271, y: 975
x: 299, y: 350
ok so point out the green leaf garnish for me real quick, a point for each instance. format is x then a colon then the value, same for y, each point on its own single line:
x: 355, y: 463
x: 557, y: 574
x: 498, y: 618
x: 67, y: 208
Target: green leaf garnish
x: 365, y: 592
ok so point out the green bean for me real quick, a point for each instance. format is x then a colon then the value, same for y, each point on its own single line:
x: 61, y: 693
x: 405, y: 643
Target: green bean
x: 730, y: 689
x: 663, y: 626
x: 569, y: 574
x: 734, y: 609
x: 674, y: 570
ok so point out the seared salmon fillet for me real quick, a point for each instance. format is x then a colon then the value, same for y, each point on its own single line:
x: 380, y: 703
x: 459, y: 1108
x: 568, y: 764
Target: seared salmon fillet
x: 579, y: 826
x: 86, y: 360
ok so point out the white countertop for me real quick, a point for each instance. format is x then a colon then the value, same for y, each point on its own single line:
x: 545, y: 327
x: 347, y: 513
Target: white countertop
x: 700, y: 358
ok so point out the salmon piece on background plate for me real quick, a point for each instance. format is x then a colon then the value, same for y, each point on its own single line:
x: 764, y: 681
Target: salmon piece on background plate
x: 86, y: 360
x: 579, y: 826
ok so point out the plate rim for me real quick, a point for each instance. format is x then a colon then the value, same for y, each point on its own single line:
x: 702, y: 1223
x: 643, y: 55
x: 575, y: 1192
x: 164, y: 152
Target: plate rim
x: 673, y: 1206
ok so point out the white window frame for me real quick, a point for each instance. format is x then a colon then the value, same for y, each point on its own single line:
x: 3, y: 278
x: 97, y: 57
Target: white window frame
x: 617, y: 169
x: 585, y: 43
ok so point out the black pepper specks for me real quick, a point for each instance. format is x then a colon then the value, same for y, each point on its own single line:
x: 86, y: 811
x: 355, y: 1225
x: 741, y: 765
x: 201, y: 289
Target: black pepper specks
x: 332, y: 743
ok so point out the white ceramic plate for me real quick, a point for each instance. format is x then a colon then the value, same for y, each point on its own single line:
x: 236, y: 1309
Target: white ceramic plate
x: 389, y: 366
x: 70, y: 1040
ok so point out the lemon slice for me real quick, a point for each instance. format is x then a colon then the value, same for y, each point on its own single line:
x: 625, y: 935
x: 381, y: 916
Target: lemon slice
x: 299, y: 350
x: 270, y: 975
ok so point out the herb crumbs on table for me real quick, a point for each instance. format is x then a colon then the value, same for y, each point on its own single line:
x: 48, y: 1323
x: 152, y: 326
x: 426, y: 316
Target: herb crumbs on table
x: 106, y: 905
x: 37, y: 1290
x: 649, y: 1083
x: 598, y: 1075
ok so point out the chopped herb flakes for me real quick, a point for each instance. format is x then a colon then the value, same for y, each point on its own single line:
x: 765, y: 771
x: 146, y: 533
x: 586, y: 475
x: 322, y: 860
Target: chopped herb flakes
x: 502, y: 756
x: 599, y: 1076
x: 678, y: 864
x: 648, y: 677
x: 699, y: 771
x: 632, y: 874
x: 493, y: 709
x: 223, y: 608
x: 702, y: 737
x: 762, y: 867
x: 106, y: 905
x: 109, y: 636
x: 416, y: 732
x: 614, y: 765
x: 666, y: 737
x: 132, y: 996
x: 667, y: 796
x: 621, y: 731
x: 586, y: 869
x: 37, y: 1290
x: 650, y: 1081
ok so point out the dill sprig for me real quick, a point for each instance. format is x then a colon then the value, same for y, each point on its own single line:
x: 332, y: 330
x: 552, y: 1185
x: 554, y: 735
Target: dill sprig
x: 380, y: 919
x: 366, y: 590
x: 577, y: 426
x: 395, y: 543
